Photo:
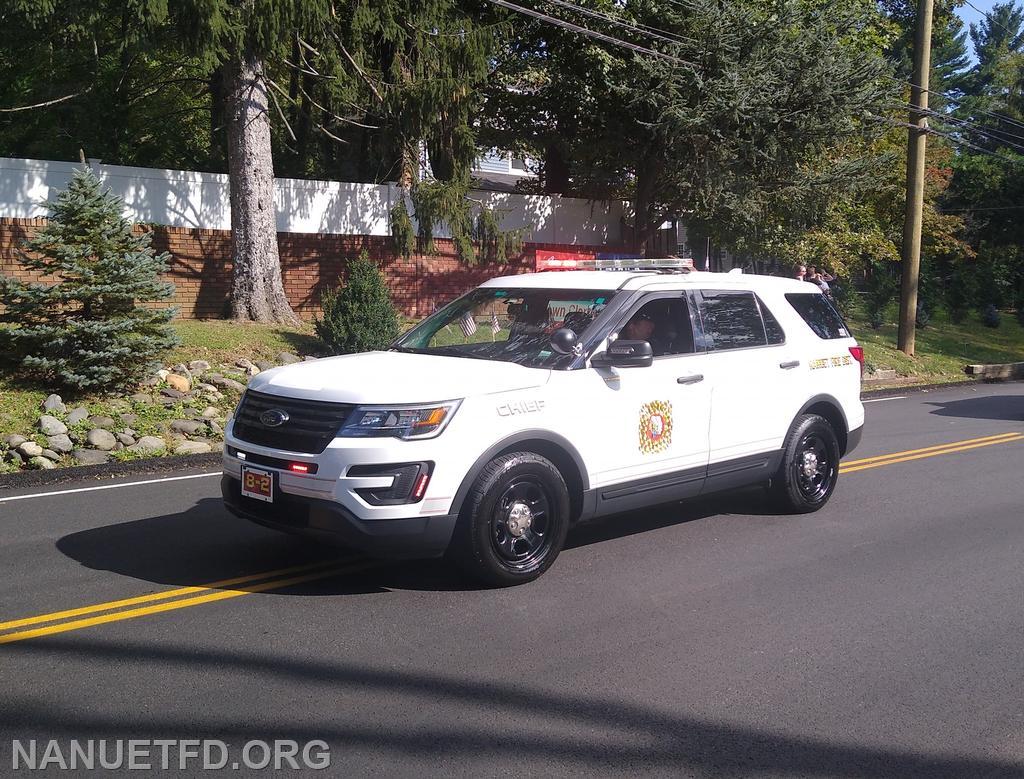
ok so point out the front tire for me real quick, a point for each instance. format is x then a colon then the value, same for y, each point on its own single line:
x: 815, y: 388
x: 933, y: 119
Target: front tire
x: 514, y: 521
x: 809, y: 470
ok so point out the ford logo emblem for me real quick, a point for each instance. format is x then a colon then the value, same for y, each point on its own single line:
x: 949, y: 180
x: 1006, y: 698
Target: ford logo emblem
x: 275, y: 417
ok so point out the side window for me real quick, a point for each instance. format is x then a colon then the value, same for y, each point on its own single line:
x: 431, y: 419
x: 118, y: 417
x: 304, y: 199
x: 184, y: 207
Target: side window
x: 664, y: 323
x: 772, y: 328
x: 732, y: 320
x: 819, y: 314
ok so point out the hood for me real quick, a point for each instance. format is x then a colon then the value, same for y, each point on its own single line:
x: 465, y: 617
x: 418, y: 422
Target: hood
x: 395, y: 377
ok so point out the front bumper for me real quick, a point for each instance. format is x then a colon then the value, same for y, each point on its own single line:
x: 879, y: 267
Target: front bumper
x: 325, y: 520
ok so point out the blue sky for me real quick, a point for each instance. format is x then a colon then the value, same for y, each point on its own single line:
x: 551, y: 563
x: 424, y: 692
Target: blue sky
x: 969, y: 15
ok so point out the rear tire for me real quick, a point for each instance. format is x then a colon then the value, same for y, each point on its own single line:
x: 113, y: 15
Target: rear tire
x: 514, y: 521
x: 809, y: 470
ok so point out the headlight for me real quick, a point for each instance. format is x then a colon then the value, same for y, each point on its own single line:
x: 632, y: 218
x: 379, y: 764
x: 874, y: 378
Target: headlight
x: 400, y: 421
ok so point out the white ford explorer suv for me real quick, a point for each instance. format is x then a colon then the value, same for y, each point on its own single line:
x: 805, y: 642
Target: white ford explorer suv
x: 540, y: 400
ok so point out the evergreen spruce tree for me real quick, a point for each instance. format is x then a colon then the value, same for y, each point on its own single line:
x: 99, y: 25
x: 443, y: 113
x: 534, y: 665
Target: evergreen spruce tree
x: 360, y: 316
x: 88, y: 328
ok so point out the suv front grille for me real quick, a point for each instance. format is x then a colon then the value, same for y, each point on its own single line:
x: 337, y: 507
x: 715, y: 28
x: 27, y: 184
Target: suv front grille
x: 311, y: 425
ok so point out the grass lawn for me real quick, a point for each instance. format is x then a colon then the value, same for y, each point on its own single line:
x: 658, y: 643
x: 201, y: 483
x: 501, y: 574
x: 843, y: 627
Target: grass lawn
x: 942, y: 348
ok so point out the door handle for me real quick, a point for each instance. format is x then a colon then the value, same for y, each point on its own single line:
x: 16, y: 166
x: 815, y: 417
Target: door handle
x: 790, y: 364
x: 694, y: 379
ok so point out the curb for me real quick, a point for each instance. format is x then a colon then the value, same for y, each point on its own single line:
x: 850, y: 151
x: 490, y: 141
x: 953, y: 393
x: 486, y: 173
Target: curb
x: 874, y: 393
x: 167, y: 464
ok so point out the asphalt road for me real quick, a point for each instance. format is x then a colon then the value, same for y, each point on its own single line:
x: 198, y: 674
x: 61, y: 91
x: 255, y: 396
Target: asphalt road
x: 882, y: 636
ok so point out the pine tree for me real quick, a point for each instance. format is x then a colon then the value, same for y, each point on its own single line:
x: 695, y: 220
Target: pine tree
x: 360, y: 316
x: 90, y: 329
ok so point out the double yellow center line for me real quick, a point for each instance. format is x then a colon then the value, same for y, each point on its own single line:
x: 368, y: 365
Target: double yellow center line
x: 170, y: 600
x: 185, y: 597
x: 851, y: 466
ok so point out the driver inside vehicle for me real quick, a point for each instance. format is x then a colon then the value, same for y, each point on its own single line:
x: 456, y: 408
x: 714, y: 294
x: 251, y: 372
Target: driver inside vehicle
x: 640, y: 327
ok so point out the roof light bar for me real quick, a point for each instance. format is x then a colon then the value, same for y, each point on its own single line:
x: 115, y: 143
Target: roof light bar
x: 668, y: 264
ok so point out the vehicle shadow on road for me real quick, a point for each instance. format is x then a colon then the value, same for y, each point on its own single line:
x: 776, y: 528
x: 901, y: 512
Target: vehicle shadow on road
x: 749, y: 501
x: 1002, y: 407
x: 362, y: 710
x: 205, y: 544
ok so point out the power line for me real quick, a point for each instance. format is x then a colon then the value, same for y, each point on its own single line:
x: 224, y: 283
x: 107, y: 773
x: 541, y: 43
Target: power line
x: 960, y: 101
x: 589, y: 33
x: 1003, y: 137
x: 637, y: 27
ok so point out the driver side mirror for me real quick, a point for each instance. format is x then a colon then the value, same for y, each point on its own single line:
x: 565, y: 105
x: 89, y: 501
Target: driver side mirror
x: 624, y: 354
x: 564, y: 340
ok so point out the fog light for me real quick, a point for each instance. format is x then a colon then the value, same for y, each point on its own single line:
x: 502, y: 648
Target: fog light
x: 409, y: 482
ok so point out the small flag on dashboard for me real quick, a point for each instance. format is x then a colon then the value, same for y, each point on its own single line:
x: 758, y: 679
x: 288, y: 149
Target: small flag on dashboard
x: 468, y: 324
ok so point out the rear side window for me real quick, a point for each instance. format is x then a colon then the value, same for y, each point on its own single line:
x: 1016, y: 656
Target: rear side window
x: 732, y: 320
x: 819, y: 314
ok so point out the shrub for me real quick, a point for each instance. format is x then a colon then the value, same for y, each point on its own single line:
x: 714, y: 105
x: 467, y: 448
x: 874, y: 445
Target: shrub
x: 991, y: 317
x: 358, y: 317
x: 961, y: 291
x: 87, y: 330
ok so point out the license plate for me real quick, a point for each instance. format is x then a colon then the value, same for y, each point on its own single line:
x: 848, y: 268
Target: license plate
x: 257, y: 484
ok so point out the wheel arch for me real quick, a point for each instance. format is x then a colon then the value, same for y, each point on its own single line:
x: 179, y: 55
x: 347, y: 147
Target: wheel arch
x: 832, y: 410
x: 545, y: 443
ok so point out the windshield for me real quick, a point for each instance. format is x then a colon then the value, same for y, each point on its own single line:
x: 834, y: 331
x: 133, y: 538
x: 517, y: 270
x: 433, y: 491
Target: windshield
x: 510, y: 325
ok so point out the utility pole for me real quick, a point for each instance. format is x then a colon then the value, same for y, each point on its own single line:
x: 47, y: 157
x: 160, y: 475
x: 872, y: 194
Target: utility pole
x: 917, y: 137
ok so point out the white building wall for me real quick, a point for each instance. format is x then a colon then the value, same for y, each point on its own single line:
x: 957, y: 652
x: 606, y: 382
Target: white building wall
x: 201, y: 200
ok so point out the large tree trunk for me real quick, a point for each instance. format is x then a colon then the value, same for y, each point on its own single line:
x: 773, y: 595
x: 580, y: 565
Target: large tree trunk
x: 257, y: 292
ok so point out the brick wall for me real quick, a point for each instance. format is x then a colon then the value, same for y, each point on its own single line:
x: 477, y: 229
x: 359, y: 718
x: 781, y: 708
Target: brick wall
x: 200, y: 267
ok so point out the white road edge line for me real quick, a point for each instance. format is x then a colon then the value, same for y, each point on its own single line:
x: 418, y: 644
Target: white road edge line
x: 108, y: 486
x: 882, y: 400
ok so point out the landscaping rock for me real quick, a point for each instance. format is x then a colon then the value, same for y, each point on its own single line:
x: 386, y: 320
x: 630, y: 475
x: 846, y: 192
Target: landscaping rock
x: 248, y: 366
x: 152, y: 381
x: 215, y: 427
x: 141, y: 397
x: 14, y: 441
x: 101, y: 421
x: 226, y: 383
x: 41, y: 463
x: 263, y: 365
x: 216, y: 446
x: 171, y: 392
x: 210, y: 412
x: 54, y: 403
x: 60, y: 443
x: 29, y: 449
x: 150, y: 444
x: 178, y: 382
x: 198, y: 366
x: 15, y: 458
x: 129, y: 419
x: 188, y: 426
x: 287, y: 358
x: 129, y: 431
x: 77, y: 415
x: 124, y: 439
x: 49, y: 454
x: 51, y: 425
x: 98, y: 438
x: 309, y: 358
x: 163, y: 374
x: 206, y: 387
x: 118, y: 447
x: 192, y: 447
x: 90, y: 456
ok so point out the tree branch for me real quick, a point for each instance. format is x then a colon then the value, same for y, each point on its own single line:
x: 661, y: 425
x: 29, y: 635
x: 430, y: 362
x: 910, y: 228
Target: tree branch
x: 45, y: 104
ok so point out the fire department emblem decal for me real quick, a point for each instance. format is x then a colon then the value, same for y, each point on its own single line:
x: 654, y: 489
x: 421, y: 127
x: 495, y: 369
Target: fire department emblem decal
x: 655, y: 426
